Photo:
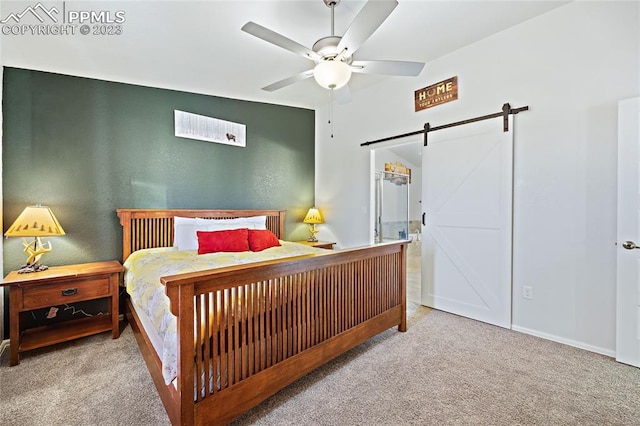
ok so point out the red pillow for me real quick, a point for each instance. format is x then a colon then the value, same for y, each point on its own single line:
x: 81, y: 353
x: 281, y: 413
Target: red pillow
x: 227, y: 240
x: 260, y: 239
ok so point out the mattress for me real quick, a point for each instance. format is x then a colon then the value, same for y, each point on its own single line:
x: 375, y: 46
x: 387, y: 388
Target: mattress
x: 144, y: 268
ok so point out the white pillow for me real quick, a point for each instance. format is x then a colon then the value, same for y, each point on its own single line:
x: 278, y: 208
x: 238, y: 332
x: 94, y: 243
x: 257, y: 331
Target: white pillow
x: 256, y: 222
x: 253, y: 222
x: 184, y: 233
x: 185, y: 228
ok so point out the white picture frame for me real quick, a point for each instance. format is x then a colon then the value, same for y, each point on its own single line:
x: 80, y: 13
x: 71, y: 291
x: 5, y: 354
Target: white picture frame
x: 203, y: 128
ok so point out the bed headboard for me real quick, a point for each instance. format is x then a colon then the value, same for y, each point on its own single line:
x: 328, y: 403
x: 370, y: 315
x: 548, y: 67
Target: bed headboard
x: 150, y: 228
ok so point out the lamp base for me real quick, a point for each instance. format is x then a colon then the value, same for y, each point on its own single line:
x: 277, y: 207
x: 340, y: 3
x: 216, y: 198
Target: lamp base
x: 314, y: 231
x: 35, y: 249
x: 26, y: 269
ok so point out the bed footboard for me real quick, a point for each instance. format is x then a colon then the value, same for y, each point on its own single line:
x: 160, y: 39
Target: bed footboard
x: 260, y: 327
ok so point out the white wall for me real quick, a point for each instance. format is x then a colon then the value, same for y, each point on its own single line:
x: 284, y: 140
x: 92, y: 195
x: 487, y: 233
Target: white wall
x: 570, y: 66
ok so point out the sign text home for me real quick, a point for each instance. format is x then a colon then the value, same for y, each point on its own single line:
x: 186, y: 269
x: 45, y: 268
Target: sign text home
x: 436, y: 94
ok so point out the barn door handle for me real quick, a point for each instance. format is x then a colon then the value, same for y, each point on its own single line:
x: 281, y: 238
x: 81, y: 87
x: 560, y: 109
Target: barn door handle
x: 423, y: 219
x: 630, y: 245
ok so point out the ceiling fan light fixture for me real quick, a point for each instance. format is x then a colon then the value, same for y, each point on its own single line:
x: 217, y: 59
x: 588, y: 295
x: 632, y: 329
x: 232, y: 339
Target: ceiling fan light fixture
x: 333, y: 54
x: 332, y: 74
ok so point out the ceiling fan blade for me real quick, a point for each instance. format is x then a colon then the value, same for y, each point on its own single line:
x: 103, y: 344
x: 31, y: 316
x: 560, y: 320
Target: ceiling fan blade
x: 370, y: 17
x: 405, y: 68
x: 288, y: 81
x: 279, y: 40
x: 342, y: 95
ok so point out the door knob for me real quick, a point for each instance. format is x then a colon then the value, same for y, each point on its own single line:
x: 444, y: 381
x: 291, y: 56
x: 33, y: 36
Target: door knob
x: 630, y: 245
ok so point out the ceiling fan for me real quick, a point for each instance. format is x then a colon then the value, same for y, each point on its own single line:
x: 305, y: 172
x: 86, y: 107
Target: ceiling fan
x: 333, y: 54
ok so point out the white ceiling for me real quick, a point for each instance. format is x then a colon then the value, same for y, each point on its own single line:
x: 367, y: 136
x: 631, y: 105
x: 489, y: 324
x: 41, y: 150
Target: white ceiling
x: 199, y: 47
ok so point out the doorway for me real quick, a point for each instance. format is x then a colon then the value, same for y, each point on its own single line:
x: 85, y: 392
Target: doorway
x: 467, y: 216
x: 408, y: 154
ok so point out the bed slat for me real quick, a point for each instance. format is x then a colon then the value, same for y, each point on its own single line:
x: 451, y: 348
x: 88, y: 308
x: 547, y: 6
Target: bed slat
x: 299, y: 310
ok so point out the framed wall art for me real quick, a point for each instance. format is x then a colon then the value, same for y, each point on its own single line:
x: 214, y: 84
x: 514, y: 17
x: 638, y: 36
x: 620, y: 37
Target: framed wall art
x: 200, y: 127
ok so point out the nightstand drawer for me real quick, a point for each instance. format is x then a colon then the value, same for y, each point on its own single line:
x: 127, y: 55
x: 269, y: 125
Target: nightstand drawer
x: 42, y: 296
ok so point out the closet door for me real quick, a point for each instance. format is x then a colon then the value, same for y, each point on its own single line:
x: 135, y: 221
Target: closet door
x: 628, y: 256
x: 467, y: 174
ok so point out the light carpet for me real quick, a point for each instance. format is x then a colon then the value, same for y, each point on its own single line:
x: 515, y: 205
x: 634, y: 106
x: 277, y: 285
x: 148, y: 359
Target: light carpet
x: 445, y: 370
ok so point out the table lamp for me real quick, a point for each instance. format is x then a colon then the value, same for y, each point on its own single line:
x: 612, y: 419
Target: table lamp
x: 35, y: 221
x: 313, y: 217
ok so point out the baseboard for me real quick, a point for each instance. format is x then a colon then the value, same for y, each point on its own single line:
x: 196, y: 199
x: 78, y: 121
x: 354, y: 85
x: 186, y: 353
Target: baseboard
x: 575, y: 344
x: 3, y: 345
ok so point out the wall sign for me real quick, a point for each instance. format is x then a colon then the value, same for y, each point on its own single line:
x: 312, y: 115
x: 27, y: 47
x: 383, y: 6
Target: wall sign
x: 436, y: 94
x: 200, y: 127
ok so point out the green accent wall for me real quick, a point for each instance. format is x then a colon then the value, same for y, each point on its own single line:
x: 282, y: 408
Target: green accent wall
x: 86, y: 147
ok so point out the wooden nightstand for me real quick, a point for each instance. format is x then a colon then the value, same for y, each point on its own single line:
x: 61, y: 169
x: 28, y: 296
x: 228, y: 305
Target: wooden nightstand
x: 56, y: 286
x: 319, y: 244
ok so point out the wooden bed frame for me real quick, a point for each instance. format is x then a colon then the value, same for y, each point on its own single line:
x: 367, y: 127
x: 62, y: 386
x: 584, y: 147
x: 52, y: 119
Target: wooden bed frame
x: 261, y: 326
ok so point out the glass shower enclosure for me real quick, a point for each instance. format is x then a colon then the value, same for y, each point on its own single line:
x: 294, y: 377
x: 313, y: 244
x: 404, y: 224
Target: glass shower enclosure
x: 391, y: 206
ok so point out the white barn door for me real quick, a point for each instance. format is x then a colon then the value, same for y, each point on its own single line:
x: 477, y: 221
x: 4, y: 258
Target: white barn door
x: 628, y: 257
x: 467, y: 181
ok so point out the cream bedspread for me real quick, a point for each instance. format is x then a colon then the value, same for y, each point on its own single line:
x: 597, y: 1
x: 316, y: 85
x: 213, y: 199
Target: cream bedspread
x: 144, y: 268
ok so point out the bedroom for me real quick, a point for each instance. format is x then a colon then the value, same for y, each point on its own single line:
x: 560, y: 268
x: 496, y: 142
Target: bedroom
x: 565, y: 223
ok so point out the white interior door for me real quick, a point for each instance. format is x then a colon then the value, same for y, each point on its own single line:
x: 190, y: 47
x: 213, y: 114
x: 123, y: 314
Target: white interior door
x: 628, y: 257
x: 467, y: 181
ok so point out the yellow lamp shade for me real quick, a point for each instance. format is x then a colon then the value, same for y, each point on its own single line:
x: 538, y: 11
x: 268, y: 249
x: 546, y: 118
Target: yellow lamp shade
x: 313, y: 216
x: 35, y: 221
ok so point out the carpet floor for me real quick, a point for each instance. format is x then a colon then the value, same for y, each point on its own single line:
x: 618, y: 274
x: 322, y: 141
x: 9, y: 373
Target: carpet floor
x: 445, y: 370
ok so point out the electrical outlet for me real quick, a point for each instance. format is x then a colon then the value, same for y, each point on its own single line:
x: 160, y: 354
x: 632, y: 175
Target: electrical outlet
x: 527, y: 292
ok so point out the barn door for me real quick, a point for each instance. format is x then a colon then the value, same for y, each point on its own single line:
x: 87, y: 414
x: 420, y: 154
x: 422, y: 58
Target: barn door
x: 467, y: 229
